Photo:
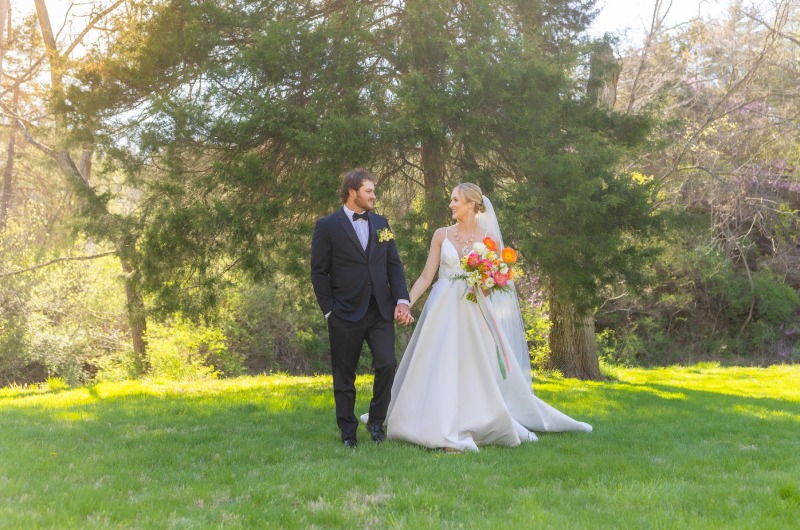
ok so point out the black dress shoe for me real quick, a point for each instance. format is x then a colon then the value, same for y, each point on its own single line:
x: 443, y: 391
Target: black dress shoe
x: 350, y: 442
x: 376, y: 431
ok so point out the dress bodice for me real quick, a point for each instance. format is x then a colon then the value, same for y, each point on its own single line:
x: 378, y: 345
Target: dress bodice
x: 449, y: 260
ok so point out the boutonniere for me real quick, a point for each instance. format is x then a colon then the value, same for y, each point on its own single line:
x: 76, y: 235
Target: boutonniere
x: 384, y: 235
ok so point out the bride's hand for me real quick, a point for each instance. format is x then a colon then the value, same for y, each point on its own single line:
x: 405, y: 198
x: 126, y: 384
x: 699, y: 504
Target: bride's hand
x: 402, y: 314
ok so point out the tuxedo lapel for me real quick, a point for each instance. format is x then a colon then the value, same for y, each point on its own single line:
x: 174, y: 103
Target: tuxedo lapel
x: 373, y: 236
x: 347, y: 226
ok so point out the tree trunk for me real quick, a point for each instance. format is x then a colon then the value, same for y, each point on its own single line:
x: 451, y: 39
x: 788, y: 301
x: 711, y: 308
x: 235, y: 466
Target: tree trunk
x: 8, y: 174
x: 47, y: 30
x: 603, y: 76
x: 87, y: 153
x: 432, y: 158
x: 4, y: 7
x: 137, y: 315
x: 573, y: 345
x: 8, y: 171
x: 432, y: 163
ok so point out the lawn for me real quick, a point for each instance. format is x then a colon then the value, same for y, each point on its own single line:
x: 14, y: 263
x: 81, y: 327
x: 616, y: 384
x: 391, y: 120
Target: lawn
x: 690, y: 447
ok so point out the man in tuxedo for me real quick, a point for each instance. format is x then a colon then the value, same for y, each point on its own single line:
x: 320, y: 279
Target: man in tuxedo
x: 360, y: 286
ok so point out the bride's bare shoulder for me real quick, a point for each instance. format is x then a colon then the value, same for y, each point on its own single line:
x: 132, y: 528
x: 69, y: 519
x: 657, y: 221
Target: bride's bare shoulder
x: 439, y: 234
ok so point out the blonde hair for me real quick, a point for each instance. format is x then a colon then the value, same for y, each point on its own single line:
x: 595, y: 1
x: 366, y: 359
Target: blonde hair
x: 472, y: 192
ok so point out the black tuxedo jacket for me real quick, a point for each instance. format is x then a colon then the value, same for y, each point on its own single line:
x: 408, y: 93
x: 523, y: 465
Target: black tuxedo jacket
x: 344, y: 275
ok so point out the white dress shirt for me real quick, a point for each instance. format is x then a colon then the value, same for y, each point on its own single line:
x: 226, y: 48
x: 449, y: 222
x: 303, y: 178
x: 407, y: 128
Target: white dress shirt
x: 361, y: 226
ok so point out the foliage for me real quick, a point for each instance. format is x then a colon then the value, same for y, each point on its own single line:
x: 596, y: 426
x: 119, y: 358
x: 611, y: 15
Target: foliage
x: 57, y: 321
x: 535, y: 318
x: 428, y: 93
x: 273, y: 328
x: 725, y: 287
x: 181, y: 353
x: 219, y: 130
x: 700, y: 308
x: 265, y: 452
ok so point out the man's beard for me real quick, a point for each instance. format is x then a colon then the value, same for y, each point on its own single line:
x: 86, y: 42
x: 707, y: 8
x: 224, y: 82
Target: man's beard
x: 365, y: 205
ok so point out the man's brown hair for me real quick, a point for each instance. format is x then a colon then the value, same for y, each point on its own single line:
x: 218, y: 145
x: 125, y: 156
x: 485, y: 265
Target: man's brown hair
x: 353, y: 180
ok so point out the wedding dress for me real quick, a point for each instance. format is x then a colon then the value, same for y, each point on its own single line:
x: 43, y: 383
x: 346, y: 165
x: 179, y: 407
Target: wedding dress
x: 448, y: 391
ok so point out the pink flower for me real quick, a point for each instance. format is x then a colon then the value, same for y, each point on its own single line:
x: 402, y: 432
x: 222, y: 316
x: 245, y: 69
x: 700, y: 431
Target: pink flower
x: 486, y: 265
x: 501, y: 279
x: 473, y: 259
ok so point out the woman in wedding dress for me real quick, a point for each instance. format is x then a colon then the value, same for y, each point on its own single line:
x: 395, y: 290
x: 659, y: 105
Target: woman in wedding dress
x: 449, y: 392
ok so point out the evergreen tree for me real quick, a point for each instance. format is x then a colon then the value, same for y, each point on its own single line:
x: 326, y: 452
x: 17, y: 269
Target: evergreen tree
x: 237, y: 119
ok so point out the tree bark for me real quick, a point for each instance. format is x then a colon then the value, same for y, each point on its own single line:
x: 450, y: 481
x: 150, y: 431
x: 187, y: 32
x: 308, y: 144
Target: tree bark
x: 8, y: 175
x: 137, y: 315
x: 4, y: 6
x: 8, y: 171
x: 572, y: 341
x: 47, y: 29
x: 603, y: 76
x: 432, y: 158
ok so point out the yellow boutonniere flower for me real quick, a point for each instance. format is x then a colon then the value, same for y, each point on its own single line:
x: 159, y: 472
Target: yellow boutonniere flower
x: 384, y: 235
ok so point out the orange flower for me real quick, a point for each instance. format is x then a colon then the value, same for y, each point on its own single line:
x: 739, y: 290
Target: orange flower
x: 490, y: 244
x: 509, y: 255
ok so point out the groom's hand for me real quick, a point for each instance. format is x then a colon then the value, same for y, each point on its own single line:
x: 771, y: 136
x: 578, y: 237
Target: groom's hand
x: 402, y: 314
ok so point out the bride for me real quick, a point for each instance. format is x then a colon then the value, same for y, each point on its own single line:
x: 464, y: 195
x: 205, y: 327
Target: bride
x: 448, y: 391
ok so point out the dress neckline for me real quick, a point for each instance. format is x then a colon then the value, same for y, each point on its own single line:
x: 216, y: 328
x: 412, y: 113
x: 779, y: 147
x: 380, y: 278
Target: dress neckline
x: 453, y: 245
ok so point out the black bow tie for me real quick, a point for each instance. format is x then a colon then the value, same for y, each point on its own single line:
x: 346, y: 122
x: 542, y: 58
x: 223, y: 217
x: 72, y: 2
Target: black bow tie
x: 357, y: 216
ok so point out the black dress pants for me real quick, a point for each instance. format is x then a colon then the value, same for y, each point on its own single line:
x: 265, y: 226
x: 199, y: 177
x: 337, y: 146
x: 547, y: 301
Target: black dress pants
x: 346, y: 341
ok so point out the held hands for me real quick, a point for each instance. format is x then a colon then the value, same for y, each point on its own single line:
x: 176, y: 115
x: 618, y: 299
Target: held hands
x: 402, y: 314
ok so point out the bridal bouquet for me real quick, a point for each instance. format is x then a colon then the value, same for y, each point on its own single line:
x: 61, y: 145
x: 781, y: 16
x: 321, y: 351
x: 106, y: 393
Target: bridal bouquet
x: 484, y: 269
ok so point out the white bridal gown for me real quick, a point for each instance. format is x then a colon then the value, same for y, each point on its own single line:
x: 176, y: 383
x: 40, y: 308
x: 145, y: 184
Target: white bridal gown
x: 448, y: 391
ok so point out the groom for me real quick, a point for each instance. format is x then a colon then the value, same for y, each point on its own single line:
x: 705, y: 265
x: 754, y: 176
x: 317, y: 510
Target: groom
x: 360, y: 286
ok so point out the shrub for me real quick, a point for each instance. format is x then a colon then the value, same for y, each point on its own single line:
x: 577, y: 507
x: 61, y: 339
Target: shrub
x: 179, y: 350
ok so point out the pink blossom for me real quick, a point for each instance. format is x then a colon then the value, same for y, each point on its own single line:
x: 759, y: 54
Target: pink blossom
x: 501, y: 279
x: 473, y: 259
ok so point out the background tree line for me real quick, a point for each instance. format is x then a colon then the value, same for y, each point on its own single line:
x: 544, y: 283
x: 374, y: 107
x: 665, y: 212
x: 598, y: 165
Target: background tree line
x: 166, y: 162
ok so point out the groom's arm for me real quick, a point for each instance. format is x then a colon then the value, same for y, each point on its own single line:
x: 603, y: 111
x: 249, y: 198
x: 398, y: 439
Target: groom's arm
x: 397, y: 278
x: 321, y: 266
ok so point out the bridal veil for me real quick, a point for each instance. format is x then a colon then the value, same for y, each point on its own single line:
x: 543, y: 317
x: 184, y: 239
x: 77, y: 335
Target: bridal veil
x: 506, y: 303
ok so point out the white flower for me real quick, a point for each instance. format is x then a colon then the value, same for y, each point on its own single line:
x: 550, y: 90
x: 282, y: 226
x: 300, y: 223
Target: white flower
x: 474, y: 278
x: 480, y: 248
x: 489, y: 283
x: 384, y: 235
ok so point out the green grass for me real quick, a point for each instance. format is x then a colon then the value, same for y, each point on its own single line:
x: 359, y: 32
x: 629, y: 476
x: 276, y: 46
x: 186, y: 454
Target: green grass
x: 696, y: 447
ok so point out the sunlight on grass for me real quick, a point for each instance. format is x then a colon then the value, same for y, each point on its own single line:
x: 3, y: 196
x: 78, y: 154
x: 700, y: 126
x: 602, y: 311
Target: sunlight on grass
x: 765, y: 413
x: 783, y: 381
x: 699, y: 446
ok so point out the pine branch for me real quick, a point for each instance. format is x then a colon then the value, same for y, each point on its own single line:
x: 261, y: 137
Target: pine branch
x: 54, y: 261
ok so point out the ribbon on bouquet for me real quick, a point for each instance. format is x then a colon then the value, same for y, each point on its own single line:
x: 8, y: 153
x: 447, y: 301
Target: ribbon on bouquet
x: 501, y: 347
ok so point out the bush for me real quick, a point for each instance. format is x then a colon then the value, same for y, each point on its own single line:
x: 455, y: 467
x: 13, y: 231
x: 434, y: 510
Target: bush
x: 276, y: 327
x: 59, y: 321
x: 182, y: 351
x: 537, y: 329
